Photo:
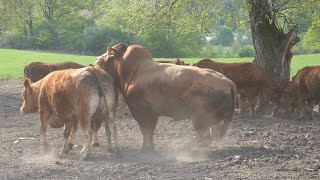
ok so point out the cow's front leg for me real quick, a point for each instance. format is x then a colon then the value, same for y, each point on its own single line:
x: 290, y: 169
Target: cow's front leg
x: 251, y: 106
x: 44, y: 116
x: 147, y: 122
x: 302, y: 106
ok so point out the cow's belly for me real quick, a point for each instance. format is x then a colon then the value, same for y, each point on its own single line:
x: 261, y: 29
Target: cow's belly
x: 55, y: 121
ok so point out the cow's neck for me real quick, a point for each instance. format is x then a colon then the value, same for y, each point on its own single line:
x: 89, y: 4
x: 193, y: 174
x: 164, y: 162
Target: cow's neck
x: 126, y: 71
x: 36, y: 90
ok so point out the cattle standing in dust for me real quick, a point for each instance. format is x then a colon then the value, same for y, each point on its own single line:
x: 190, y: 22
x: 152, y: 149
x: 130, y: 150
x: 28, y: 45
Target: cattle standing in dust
x: 153, y: 89
x: 70, y: 97
x: 249, y: 78
x: 38, y: 70
x: 176, y: 62
x: 303, y: 90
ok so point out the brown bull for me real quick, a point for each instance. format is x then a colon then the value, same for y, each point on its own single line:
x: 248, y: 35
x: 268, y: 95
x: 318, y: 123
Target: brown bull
x: 249, y: 78
x: 153, y: 89
x: 70, y: 97
x: 303, y: 90
x: 38, y: 70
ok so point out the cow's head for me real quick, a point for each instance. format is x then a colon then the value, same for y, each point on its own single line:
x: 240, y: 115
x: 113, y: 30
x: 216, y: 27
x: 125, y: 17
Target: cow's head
x: 113, y: 55
x: 30, y: 103
x: 287, y: 99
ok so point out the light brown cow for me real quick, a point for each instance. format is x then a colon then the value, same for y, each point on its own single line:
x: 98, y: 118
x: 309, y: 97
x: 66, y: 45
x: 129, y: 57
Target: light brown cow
x: 153, y: 89
x: 69, y: 97
x: 303, y: 90
x: 249, y: 78
x: 176, y: 62
x: 38, y: 70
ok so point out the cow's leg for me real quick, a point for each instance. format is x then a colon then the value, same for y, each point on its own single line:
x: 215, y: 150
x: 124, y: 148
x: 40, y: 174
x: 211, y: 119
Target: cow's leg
x: 85, y: 124
x: 72, y: 134
x: 147, y: 122
x: 111, y: 131
x: 310, y: 106
x: 66, y: 133
x: 203, y: 138
x: 96, y: 124
x: 251, y: 105
x: 240, y: 99
x: 44, y: 116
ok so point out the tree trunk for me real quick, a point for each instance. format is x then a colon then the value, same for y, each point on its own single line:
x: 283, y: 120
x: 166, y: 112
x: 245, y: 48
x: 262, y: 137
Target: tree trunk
x: 272, y: 45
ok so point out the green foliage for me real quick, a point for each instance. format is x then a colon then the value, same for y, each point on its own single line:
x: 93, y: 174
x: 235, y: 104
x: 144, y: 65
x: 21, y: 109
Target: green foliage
x: 312, y: 37
x: 247, y: 51
x: 98, y: 38
x: 46, y: 35
x: 16, y: 41
x: 224, y: 36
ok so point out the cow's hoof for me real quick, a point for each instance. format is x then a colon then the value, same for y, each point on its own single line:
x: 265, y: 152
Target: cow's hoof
x: 70, y: 146
x: 45, y: 149
x: 117, y: 152
x: 85, y: 157
x: 110, y: 150
x: 95, y: 144
x: 146, y: 149
x: 64, y: 151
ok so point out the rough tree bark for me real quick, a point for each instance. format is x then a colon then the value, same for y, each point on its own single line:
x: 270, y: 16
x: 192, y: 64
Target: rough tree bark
x: 272, y: 45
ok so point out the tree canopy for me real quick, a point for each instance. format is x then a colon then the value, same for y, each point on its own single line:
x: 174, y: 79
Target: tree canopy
x: 169, y: 28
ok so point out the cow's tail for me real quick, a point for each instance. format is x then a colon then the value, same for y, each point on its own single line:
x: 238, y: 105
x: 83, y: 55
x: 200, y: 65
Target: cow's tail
x: 234, y: 94
x: 222, y: 125
x: 100, y: 75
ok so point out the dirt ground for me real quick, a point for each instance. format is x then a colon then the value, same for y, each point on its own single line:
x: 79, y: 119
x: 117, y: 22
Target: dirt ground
x: 261, y: 148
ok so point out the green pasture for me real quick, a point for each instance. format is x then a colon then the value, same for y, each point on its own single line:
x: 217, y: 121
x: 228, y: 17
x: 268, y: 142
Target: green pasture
x: 12, y: 61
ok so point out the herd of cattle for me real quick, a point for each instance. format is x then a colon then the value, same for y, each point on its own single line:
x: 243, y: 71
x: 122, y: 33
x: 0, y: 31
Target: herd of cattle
x: 67, y: 94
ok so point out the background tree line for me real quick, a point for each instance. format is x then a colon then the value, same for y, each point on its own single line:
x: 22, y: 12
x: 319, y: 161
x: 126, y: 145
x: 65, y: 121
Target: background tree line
x: 169, y: 28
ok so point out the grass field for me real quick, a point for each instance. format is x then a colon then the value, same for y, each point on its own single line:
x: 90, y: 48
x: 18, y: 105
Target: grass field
x: 13, y: 61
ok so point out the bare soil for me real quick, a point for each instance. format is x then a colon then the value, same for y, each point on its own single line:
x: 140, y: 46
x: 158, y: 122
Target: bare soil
x: 260, y: 148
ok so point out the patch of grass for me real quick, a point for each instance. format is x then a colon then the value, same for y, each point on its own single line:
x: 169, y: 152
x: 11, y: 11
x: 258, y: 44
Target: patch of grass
x: 12, y: 62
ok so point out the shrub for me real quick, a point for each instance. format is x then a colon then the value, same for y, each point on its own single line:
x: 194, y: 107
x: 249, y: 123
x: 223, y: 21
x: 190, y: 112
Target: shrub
x: 97, y: 39
x: 16, y: 41
x: 247, y: 51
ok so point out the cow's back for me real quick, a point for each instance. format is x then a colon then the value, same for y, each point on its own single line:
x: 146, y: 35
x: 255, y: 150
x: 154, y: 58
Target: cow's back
x: 307, y: 80
x: 243, y: 74
x: 38, y: 70
x: 70, y: 92
x: 179, y: 91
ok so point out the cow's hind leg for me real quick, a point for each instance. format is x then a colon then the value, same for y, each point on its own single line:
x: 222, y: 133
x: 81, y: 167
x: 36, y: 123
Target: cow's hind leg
x: 111, y: 131
x: 96, y: 124
x: 85, y: 124
x: 66, y: 133
x: 72, y: 134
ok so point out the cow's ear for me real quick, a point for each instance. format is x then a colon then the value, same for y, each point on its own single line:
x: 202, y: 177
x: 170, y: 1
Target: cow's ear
x: 111, y: 51
x: 26, y: 82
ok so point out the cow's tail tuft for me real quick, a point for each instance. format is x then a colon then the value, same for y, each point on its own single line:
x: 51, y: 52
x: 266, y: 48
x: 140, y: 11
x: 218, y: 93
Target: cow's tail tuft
x: 233, y: 96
